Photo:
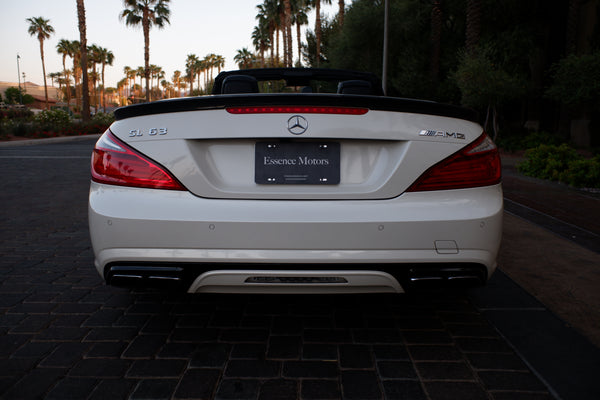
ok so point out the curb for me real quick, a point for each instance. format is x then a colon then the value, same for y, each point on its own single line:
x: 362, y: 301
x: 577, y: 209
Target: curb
x: 61, y: 139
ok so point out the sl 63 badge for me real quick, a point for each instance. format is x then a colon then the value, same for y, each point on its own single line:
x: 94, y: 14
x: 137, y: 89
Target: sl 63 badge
x: 151, y: 132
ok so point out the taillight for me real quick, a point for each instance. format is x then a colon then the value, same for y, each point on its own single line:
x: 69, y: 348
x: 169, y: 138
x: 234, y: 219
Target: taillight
x: 115, y: 163
x: 476, y: 165
x: 297, y: 110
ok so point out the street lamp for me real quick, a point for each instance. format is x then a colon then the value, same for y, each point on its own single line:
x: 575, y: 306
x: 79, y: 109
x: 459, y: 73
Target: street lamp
x: 19, y: 76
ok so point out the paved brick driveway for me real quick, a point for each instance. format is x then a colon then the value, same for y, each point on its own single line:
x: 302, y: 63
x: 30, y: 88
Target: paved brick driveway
x: 64, y: 335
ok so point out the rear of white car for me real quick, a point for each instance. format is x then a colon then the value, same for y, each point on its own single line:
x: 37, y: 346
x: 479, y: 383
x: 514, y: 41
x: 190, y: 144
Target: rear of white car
x: 295, y: 193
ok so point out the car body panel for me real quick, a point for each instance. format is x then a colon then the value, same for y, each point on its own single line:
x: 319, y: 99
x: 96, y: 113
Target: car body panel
x: 189, y: 229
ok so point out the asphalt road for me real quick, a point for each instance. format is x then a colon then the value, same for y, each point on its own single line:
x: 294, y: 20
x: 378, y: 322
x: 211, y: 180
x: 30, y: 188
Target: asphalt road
x: 65, y: 335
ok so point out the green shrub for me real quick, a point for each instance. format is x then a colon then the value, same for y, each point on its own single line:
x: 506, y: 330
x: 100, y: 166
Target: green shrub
x: 16, y: 113
x: 576, y: 79
x: 583, y: 173
x: 561, y: 163
x: 55, y: 120
x: 103, y: 118
x: 15, y: 127
x: 548, y: 161
x: 517, y: 142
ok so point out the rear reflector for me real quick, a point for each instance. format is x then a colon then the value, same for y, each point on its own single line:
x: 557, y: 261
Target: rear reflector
x: 115, y: 163
x: 297, y: 110
x: 476, y: 165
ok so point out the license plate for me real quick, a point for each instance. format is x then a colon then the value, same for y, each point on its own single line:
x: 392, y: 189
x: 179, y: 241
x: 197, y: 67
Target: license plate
x: 299, y: 163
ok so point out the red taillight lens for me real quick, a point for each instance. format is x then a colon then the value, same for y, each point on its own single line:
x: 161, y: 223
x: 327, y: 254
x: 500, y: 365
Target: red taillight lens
x: 297, y: 110
x: 114, y: 163
x: 476, y: 165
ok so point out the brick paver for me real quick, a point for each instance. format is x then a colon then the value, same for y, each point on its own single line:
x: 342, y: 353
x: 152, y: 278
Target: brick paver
x: 64, y: 334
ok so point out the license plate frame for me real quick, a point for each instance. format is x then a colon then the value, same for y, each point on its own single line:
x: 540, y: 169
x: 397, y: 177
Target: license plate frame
x: 297, y: 163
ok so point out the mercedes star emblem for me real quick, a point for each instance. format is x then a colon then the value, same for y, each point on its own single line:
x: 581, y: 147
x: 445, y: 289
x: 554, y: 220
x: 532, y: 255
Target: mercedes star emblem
x: 297, y: 125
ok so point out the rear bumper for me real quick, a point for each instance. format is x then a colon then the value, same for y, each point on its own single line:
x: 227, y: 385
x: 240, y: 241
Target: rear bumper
x: 220, y: 244
x: 372, y: 278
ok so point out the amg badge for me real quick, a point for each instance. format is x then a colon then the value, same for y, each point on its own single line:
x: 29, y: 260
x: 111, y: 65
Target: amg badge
x: 429, y: 132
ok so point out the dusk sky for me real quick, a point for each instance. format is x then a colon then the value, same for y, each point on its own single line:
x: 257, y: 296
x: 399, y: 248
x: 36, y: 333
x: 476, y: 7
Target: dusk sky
x: 200, y: 27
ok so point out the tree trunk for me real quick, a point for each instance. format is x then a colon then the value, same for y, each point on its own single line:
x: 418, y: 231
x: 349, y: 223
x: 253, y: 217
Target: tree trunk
x: 572, y: 26
x: 103, y: 88
x: 277, y: 45
x: 271, y: 36
x: 473, y: 24
x: 146, y: 26
x: 436, y: 39
x: 78, y: 97
x: 342, y: 6
x: 298, y: 35
x: 44, y: 71
x: 68, y: 89
x: 85, y: 109
x: 318, y: 30
x: 288, y: 33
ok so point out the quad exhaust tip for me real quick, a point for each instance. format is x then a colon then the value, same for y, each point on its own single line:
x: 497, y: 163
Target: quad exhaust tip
x: 132, y: 276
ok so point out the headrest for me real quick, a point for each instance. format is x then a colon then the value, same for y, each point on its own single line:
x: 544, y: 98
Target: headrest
x: 239, y: 84
x: 355, y: 87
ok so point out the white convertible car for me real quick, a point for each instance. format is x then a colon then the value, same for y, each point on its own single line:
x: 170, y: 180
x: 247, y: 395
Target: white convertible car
x: 295, y: 181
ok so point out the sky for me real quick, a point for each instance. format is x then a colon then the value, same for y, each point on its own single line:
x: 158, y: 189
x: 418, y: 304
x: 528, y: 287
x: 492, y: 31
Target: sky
x: 197, y: 27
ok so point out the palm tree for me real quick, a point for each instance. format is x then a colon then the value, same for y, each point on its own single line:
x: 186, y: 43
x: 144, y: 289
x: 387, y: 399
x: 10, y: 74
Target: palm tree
x: 300, y: 17
x: 167, y: 87
x: 153, y: 70
x: 157, y: 73
x: 64, y: 48
x: 265, y: 24
x: 58, y: 77
x: 260, y: 40
x: 75, y: 53
x: 342, y: 7
x: 243, y: 58
x: 202, y: 68
x: 94, y: 58
x: 219, y: 63
x: 106, y: 58
x: 121, y: 88
x: 53, y: 76
x: 41, y: 28
x: 85, y: 94
x: 191, y: 63
x: 147, y: 13
x: 572, y: 25
x: 177, y: 81
x: 436, y: 39
x: 207, y: 63
x: 212, y: 62
x: 141, y: 73
x: 287, y: 27
x: 62, y: 80
x: 127, y: 72
x: 473, y: 24
x: 317, y: 4
x: 270, y: 12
